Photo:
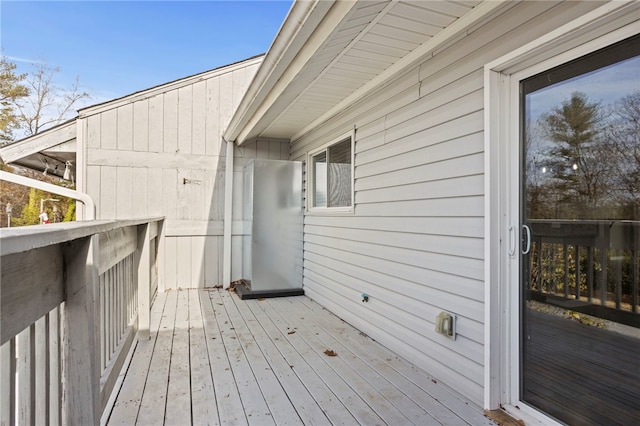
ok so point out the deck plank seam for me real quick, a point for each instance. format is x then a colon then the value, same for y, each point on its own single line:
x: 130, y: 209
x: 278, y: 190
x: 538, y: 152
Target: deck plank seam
x: 240, y: 324
x: 357, y: 405
x: 259, y: 311
x: 281, y: 356
x: 335, y: 342
x: 442, y: 395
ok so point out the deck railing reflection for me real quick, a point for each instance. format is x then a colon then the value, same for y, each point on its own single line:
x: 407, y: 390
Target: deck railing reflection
x: 594, y: 263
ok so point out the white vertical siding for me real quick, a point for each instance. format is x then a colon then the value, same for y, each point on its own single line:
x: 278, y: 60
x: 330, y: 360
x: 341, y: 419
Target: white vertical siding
x: 414, y: 243
x: 162, y: 155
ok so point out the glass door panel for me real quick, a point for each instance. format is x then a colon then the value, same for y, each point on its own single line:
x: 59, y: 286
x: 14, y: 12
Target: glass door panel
x: 580, y: 209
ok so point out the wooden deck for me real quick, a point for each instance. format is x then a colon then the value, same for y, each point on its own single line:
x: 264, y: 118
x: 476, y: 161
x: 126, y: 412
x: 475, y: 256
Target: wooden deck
x: 215, y: 359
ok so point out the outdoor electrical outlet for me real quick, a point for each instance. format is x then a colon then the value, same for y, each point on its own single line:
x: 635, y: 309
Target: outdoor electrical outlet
x: 446, y: 325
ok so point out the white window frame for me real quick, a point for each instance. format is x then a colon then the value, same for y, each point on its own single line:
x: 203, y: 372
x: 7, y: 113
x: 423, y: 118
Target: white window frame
x: 311, y: 177
x: 600, y: 28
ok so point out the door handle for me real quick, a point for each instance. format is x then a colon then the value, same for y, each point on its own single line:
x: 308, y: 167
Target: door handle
x: 527, y: 232
x: 512, y: 241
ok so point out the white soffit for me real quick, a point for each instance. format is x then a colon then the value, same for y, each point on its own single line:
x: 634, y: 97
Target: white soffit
x: 374, y: 40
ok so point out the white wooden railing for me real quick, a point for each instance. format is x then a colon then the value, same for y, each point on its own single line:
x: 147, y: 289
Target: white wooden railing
x: 73, y: 297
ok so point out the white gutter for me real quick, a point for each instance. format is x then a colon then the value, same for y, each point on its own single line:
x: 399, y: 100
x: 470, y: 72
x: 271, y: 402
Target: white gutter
x: 228, y: 216
x: 302, y: 19
x: 90, y: 207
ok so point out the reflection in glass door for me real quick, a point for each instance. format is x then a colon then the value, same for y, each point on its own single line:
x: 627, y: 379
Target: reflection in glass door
x: 580, y: 211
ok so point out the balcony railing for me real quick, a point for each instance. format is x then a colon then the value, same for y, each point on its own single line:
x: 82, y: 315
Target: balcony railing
x: 74, y: 295
x: 594, y: 265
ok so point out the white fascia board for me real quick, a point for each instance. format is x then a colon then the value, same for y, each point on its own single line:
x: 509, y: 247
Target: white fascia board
x: 167, y: 87
x: 40, y: 142
x: 64, y: 147
x: 457, y: 29
x: 292, y: 34
x: 320, y: 23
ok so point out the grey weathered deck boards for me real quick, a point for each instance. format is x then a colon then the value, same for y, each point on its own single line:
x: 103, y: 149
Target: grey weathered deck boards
x: 227, y: 396
x: 215, y: 359
x: 438, y: 400
x: 178, y: 408
x: 127, y: 405
x: 154, y: 398
x: 202, y: 391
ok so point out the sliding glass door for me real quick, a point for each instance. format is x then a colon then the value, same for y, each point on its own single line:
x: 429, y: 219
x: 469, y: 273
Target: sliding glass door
x: 580, y: 217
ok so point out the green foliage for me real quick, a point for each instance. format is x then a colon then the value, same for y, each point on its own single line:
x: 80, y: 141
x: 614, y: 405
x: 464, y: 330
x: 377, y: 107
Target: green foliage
x: 62, y: 210
x: 11, y: 90
x: 70, y: 216
x: 30, y: 212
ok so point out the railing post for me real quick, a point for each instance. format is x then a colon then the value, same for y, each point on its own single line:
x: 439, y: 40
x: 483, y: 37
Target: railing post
x: 160, y: 260
x: 81, y: 383
x: 144, y: 281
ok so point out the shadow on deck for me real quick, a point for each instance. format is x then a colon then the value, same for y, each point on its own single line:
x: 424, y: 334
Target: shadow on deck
x: 215, y: 359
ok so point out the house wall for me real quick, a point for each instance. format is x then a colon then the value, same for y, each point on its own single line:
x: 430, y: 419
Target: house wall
x: 161, y: 153
x: 415, y: 243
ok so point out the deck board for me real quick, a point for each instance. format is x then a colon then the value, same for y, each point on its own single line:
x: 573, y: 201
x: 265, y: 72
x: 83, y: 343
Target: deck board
x: 154, y: 398
x: 281, y: 409
x: 227, y: 400
x: 215, y: 359
x: 438, y: 400
x: 203, y: 396
x: 178, y: 401
x: 127, y: 405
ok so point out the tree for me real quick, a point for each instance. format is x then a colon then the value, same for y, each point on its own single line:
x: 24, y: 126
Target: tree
x: 624, y: 137
x: 577, y: 156
x: 48, y: 103
x: 25, y: 201
x: 11, y: 91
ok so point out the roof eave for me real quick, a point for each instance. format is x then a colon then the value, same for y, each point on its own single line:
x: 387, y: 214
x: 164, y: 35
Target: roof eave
x: 47, y: 139
x: 246, y: 123
x: 307, y: 25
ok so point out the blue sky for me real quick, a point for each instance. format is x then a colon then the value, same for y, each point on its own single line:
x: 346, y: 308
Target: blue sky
x: 120, y: 47
x: 605, y: 85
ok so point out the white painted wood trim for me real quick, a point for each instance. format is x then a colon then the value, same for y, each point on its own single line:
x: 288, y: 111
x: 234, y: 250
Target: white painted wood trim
x: 115, y: 245
x: 26, y: 297
x: 492, y: 256
x: 282, y: 50
x: 81, y: 166
x: 160, y: 259
x: 81, y: 357
x: 228, y: 216
x: 40, y: 142
x: 335, y: 15
x: 311, y: 182
x: 144, y: 281
x: 54, y: 189
x: 19, y: 239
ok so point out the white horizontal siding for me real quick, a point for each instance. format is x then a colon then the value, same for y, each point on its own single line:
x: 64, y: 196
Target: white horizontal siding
x: 162, y: 155
x: 414, y: 243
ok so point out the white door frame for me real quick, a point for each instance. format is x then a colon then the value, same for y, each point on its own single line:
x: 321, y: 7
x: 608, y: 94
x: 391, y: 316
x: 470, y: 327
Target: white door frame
x: 603, y: 26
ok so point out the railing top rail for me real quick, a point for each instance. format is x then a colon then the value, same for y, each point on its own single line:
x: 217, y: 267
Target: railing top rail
x: 21, y: 239
x: 584, y: 221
